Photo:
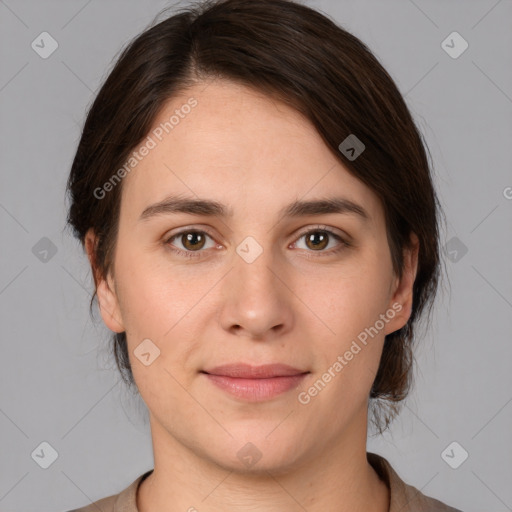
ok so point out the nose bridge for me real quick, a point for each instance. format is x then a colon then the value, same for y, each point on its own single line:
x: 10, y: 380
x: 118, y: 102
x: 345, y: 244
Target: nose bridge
x: 258, y: 275
x: 255, y: 299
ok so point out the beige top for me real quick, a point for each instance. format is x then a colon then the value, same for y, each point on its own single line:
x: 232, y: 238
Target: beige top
x: 403, y: 497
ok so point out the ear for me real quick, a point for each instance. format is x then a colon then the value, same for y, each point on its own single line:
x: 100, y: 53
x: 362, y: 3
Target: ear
x: 402, y: 288
x: 105, y: 289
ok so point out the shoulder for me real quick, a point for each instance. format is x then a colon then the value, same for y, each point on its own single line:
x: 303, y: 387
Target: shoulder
x: 404, y: 497
x: 125, y: 501
x: 420, y: 502
x: 103, y: 505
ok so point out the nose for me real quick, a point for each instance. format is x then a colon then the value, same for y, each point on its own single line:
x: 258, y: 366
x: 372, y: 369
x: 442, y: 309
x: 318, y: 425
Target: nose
x: 257, y: 301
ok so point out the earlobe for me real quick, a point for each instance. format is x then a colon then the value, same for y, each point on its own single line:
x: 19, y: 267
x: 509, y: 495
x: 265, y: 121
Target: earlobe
x: 402, y: 297
x: 105, y: 290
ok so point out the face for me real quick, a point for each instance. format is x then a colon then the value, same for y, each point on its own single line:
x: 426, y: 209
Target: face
x: 311, y: 287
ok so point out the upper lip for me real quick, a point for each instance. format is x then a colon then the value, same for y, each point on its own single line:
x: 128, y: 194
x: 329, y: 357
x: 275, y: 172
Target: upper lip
x: 243, y: 370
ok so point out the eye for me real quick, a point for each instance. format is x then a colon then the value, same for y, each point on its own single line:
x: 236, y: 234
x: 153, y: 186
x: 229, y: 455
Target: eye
x: 191, y: 241
x: 319, y: 239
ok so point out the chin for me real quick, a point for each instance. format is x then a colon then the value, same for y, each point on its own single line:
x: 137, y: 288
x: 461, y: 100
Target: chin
x: 257, y: 454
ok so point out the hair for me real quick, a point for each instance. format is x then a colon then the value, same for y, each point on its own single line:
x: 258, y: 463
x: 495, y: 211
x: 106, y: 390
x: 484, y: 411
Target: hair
x: 295, y: 55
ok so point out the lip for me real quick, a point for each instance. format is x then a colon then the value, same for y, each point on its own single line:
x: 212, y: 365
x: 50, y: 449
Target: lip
x: 247, y: 371
x: 255, y: 383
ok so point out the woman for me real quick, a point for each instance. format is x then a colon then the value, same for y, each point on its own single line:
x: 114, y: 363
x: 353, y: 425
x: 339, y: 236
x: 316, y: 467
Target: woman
x: 257, y: 207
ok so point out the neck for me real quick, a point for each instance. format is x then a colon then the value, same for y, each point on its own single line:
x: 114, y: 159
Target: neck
x: 337, y: 477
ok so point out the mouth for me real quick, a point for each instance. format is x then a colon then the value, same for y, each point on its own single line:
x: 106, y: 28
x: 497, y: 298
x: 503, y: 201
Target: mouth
x: 255, y: 383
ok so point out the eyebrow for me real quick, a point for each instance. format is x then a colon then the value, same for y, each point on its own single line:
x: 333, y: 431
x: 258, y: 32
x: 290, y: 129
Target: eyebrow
x: 210, y: 208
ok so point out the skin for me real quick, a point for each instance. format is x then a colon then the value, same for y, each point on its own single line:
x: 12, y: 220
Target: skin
x: 254, y: 155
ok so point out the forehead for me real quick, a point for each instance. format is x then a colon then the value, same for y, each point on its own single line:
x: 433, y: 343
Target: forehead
x: 231, y: 143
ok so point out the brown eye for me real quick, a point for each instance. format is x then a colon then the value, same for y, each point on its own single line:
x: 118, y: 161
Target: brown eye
x: 190, y: 242
x: 322, y: 241
x: 317, y: 240
x: 193, y: 240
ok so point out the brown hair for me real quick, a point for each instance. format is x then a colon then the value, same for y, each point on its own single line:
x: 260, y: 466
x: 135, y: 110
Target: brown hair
x: 296, y: 55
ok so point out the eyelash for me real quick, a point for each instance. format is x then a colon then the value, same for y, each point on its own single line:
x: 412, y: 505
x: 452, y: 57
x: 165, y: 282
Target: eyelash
x: 197, y: 254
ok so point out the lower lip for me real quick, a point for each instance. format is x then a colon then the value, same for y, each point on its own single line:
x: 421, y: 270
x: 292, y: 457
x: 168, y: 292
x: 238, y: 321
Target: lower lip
x: 256, y: 390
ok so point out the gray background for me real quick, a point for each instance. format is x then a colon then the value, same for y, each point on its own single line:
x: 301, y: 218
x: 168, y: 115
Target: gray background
x: 57, y: 382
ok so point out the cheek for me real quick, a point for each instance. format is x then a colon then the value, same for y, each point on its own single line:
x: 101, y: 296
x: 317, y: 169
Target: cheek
x: 349, y: 359
x: 163, y: 305
x: 352, y: 301
x: 354, y: 305
x: 152, y: 297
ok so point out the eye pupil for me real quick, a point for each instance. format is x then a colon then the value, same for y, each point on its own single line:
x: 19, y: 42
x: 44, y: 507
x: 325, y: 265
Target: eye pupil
x: 319, y: 239
x: 190, y: 240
